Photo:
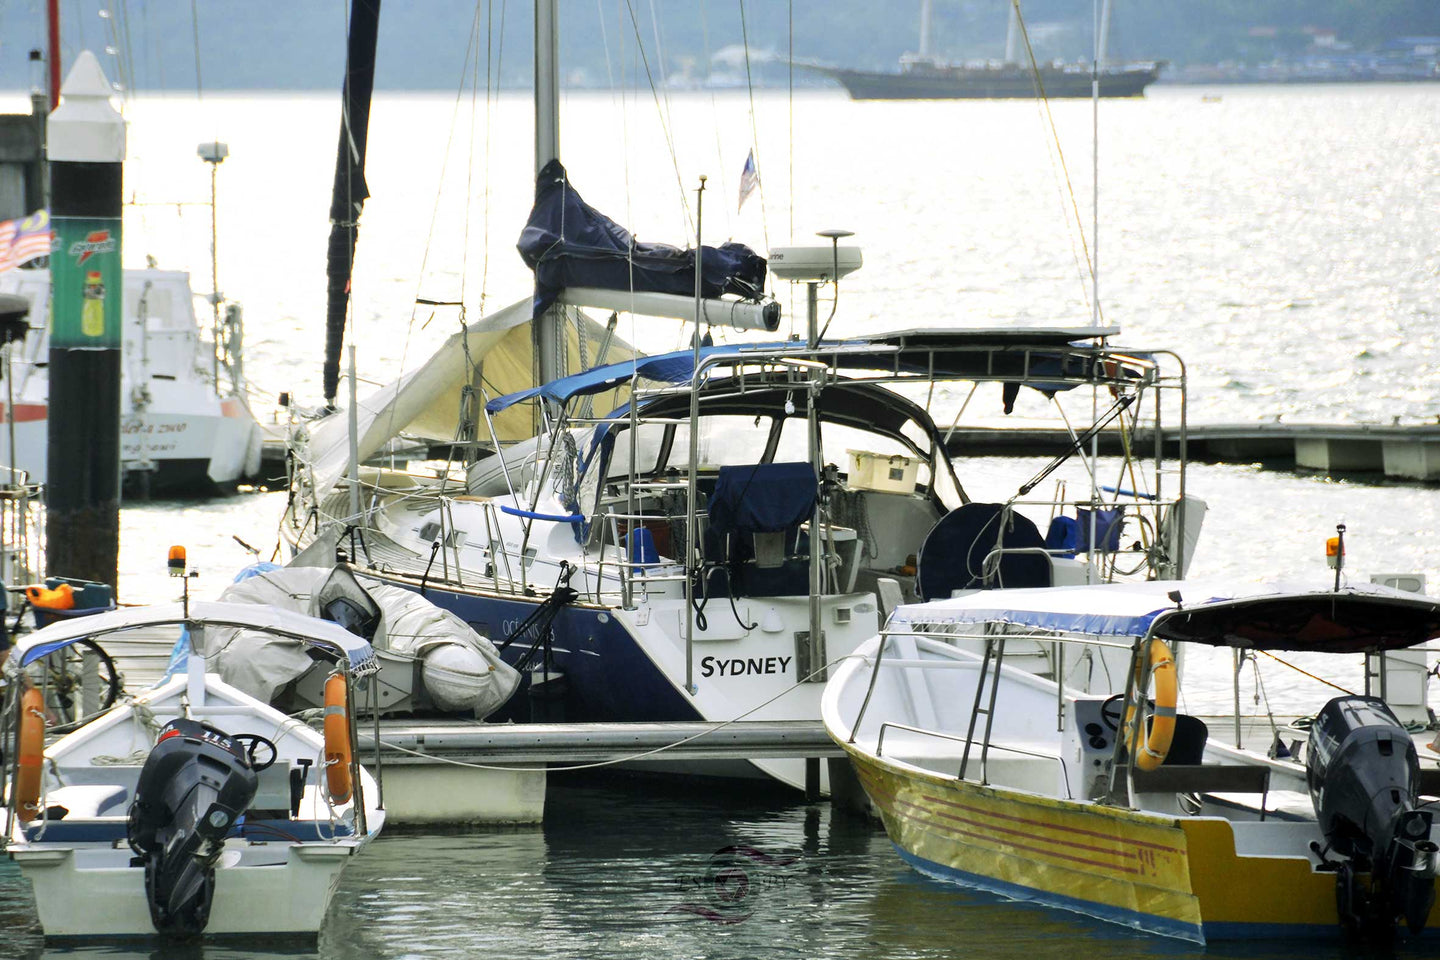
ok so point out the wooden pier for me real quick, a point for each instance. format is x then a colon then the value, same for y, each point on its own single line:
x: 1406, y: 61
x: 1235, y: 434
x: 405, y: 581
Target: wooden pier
x: 1409, y: 452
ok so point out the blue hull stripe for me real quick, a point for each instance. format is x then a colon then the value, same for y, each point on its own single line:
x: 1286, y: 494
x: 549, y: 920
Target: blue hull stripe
x: 1134, y: 919
x: 608, y: 674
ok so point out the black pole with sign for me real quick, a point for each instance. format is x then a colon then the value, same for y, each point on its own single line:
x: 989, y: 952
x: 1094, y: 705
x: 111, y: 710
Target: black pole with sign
x: 86, y: 150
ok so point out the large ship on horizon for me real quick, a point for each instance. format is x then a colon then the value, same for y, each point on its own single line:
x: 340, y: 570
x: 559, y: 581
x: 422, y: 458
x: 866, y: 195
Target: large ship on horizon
x: 929, y: 79
x: 923, y: 76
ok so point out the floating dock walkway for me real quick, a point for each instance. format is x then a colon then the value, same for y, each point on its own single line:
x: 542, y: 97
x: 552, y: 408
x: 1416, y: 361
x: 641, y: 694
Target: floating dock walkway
x: 1404, y: 452
x: 1397, y: 451
x: 465, y: 771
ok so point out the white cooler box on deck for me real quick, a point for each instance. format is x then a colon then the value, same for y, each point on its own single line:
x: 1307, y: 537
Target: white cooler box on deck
x: 886, y: 474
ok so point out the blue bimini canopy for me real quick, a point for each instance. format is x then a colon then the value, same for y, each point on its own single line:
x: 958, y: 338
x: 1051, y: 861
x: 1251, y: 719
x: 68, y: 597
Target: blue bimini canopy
x: 676, y: 367
x: 569, y: 243
x: 1353, y: 619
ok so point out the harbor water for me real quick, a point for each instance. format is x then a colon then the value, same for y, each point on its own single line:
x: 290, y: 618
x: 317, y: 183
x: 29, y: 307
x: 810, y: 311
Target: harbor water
x: 1282, y: 241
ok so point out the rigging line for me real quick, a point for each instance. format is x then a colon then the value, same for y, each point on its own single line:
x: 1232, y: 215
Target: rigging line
x: 617, y: 90
x: 1064, y: 213
x: 664, y: 127
x: 128, y: 47
x: 754, y: 131
x: 669, y: 119
x: 605, y: 46
x: 715, y: 728
x: 715, y: 112
x: 1050, y: 117
x: 490, y: 55
x: 625, y: 147
x: 474, y: 69
x: 112, y: 47
x: 195, y: 25
x: 1307, y: 673
x: 790, y: 119
x: 352, y: 214
x: 435, y: 210
x: 152, y: 53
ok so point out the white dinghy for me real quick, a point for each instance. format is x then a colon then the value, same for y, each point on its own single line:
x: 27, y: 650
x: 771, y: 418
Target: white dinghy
x: 430, y: 661
x: 191, y: 808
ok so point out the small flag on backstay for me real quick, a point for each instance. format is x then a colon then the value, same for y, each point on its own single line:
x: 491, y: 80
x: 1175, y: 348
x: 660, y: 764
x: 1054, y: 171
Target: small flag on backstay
x: 749, y: 179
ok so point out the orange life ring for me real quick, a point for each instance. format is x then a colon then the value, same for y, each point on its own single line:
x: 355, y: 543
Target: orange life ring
x: 337, y: 739
x: 30, y: 760
x: 1162, y: 719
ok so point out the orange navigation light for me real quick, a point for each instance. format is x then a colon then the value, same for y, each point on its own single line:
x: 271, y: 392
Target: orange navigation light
x: 176, y: 561
x: 1334, y: 552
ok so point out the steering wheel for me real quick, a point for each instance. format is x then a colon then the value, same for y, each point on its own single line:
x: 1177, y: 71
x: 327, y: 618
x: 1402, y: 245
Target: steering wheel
x: 1113, y: 709
x: 252, y: 741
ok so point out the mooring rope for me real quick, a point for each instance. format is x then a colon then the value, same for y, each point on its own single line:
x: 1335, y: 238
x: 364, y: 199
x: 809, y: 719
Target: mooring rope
x: 510, y: 768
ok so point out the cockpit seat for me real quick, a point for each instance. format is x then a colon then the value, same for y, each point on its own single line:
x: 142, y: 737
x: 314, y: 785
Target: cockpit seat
x: 953, y: 554
x: 756, y: 512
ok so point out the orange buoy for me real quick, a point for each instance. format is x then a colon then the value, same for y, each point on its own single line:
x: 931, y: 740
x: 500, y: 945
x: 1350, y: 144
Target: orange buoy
x: 337, y: 739
x: 31, y: 758
x: 60, y: 598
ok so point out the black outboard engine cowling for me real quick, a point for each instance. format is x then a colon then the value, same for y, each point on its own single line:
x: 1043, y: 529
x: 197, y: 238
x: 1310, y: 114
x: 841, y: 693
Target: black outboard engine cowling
x: 196, y: 782
x: 1364, y: 778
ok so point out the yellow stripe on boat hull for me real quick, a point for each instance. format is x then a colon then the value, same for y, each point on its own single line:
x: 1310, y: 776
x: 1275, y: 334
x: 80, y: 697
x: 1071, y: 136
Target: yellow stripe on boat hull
x: 1177, y: 876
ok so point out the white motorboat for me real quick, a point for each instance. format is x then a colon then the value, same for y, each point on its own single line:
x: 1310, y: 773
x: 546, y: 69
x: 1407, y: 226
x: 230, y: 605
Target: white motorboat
x: 185, y: 423
x: 1121, y: 809
x: 191, y: 807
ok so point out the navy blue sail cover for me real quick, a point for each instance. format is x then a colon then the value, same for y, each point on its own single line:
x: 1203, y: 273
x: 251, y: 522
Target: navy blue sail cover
x: 762, y: 498
x: 569, y: 243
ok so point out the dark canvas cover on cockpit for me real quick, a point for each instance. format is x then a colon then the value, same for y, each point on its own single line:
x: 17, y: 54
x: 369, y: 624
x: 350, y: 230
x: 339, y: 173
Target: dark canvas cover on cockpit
x: 762, y: 498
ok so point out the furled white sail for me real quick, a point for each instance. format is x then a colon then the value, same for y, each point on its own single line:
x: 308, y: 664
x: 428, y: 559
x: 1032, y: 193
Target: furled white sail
x: 425, y: 402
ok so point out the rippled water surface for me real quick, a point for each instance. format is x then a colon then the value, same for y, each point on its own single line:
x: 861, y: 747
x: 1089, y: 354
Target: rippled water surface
x: 635, y: 869
x: 1283, y: 241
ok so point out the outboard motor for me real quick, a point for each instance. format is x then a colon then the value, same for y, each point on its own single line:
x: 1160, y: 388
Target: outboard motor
x: 1364, y: 780
x: 195, y: 784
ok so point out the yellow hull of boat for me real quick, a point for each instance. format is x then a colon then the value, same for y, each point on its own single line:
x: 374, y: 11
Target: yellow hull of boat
x: 1176, y: 876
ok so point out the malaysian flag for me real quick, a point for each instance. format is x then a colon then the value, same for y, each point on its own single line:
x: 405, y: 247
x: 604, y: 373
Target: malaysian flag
x: 23, y: 240
x: 749, y: 179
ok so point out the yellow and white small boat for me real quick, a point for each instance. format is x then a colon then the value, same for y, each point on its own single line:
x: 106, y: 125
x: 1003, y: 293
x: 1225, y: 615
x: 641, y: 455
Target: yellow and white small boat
x: 998, y: 778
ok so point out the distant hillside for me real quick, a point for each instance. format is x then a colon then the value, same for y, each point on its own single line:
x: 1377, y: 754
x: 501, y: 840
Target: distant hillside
x: 285, y: 44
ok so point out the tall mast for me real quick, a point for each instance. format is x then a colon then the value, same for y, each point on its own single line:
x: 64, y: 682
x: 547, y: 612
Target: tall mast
x: 1012, y: 35
x: 924, y: 28
x: 1104, y: 31
x: 1091, y: 574
x: 350, y: 190
x: 548, y: 329
x: 52, y: 22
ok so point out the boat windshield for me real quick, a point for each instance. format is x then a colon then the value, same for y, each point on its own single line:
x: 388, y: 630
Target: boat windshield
x: 663, y: 449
